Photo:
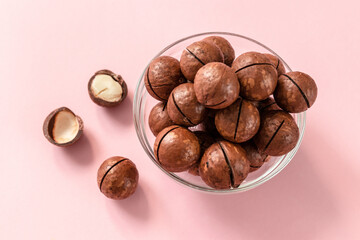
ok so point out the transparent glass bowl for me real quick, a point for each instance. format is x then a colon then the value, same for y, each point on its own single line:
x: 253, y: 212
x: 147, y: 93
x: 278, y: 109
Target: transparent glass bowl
x: 143, y: 104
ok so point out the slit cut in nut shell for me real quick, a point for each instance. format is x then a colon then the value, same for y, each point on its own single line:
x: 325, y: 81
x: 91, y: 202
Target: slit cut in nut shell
x: 62, y: 127
x: 107, y: 89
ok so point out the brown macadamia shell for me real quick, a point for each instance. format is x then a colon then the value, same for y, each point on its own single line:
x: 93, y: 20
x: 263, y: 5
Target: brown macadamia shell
x: 51, y: 121
x: 224, y: 165
x: 295, y: 92
x: 159, y: 118
x: 225, y: 47
x: 205, y: 141
x: 278, y: 64
x: 216, y: 85
x: 256, y: 74
x: 278, y: 133
x: 239, y: 122
x: 176, y: 148
x: 255, y: 157
x: 117, y: 178
x: 197, y: 55
x: 183, y: 107
x: 162, y: 76
x: 267, y: 105
x: 97, y: 98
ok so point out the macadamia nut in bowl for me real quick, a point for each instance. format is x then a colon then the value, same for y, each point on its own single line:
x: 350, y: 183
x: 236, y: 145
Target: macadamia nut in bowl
x: 176, y: 151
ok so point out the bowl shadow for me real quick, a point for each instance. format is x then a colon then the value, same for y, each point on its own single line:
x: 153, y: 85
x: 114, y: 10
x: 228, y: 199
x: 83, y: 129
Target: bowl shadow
x: 294, y: 203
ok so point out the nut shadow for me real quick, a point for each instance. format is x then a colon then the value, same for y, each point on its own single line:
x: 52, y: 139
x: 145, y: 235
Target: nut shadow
x: 135, y: 207
x: 122, y: 114
x: 80, y: 152
x: 294, y: 203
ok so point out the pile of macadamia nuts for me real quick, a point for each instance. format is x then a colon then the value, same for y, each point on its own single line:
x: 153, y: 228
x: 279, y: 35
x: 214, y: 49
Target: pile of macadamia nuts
x: 242, y: 107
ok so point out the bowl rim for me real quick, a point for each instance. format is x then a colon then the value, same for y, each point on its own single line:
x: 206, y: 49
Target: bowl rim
x: 139, y: 124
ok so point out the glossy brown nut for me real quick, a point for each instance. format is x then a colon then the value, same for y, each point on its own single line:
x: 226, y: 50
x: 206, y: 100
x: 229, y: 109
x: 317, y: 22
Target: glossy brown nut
x: 176, y: 148
x: 197, y: 55
x: 256, y: 74
x: 216, y: 85
x: 278, y: 133
x: 205, y: 141
x: 117, y: 177
x: 159, y: 118
x: 267, y: 105
x: 108, y: 95
x: 162, y: 76
x: 295, y: 92
x: 278, y: 64
x: 239, y: 122
x: 255, y: 157
x: 183, y: 107
x: 57, y: 123
x: 224, y: 165
x: 225, y: 47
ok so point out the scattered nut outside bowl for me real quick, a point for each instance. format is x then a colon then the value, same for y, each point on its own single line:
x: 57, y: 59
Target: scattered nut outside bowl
x: 62, y: 127
x: 117, y: 178
x: 107, y: 89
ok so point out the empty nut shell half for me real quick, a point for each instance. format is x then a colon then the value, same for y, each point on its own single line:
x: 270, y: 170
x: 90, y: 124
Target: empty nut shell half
x: 62, y: 127
x: 107, y: 89
x: 278, y: 133
x: 224, y: 165
x: 117, y: 178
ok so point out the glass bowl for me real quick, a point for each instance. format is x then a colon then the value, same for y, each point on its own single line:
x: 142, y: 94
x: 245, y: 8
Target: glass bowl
x: 143, y: 103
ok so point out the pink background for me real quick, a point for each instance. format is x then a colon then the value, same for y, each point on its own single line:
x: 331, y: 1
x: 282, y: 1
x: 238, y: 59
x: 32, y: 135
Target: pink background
x: 49, y: 50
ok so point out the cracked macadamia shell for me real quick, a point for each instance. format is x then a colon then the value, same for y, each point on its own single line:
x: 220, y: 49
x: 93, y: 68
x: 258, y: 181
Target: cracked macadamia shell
x: 159, y: 118
x: 267, y: 105
x: 295, y: 92
x: 107, y: 89
x: 176, y: 148
x: 62, y: 127
x: 197, y: 55
x: 279, y: 66
x: 162, y: 76
x: 239, y: 122
x: 224, y: 165
x: 183, y: 107
x: 256, y: 74
x: 225, y: 47
x: 216, y: 85
x: 278, y: 133
x: 255, y: 157
x: 117, y: 178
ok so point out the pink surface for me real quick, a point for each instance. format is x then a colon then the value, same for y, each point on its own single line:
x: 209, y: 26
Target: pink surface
x: 49, y: 50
